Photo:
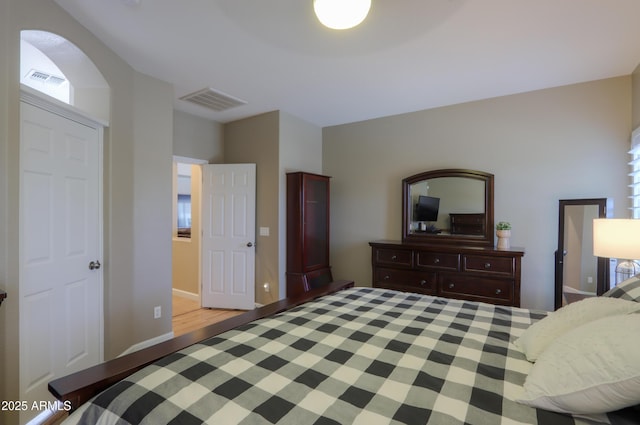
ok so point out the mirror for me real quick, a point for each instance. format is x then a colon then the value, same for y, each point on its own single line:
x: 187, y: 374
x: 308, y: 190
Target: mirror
x: 447, y: 206
x: 578, y: 273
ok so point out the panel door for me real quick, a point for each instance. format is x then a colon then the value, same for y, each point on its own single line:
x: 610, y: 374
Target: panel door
x: 60, y: 235
x: 228, y: 239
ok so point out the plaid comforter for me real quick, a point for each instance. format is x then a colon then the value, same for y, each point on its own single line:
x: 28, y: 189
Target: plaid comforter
x: 361, y: 356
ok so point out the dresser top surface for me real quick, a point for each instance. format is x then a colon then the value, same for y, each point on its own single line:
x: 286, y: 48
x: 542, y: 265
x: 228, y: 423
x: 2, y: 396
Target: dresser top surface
x: 513, y: 251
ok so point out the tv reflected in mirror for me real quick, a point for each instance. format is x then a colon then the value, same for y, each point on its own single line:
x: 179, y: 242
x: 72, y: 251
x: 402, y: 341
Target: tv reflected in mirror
x: 427, y: 208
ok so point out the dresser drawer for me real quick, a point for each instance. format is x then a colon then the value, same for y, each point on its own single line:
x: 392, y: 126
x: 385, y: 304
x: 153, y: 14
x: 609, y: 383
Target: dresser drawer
x: 405, y: 280
x: 498, y: 291
x: 436, y: 260
x: 396, y: 257
x: 496, y: 265
x: 473, y: 273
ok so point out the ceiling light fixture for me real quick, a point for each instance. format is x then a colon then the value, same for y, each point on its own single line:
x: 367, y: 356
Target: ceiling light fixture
x: 341, y: 14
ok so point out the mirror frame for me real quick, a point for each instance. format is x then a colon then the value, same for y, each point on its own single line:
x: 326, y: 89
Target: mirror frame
x: 603, y: 283
x: 485, y: 240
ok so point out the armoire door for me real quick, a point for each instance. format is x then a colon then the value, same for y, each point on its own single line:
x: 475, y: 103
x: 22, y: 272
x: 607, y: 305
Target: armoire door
x: 307, y: 232
x: 315, y: 222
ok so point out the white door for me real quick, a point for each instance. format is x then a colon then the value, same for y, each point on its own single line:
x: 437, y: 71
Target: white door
x: 228, y: 235
x: 61, y: 318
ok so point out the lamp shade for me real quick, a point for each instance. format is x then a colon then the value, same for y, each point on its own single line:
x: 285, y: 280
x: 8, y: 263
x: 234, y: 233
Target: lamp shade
x: 341, y: 14
x: 616, y: 238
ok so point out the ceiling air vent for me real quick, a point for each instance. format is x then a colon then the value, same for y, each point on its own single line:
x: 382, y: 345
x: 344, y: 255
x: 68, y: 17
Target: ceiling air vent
x: 213, y: 99
x: 43, y: 77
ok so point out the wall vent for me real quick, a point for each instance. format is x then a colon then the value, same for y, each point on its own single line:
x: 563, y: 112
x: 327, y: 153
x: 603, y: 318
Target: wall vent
x: 43, y: 77
x: 212, y: 99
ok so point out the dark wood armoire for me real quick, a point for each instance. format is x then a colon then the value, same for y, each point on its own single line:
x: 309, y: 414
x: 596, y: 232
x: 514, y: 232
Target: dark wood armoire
x: 307, y: 232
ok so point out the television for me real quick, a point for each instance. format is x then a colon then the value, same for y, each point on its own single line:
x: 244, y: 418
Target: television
x: 427, y: 208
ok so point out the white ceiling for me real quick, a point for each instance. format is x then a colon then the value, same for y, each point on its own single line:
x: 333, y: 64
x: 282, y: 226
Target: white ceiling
x: 408, y: 55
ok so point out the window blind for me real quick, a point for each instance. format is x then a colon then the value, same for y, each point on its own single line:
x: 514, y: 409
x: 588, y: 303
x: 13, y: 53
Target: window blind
x: 634, y: 164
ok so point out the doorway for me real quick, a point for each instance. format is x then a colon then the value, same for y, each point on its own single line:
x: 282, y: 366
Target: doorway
x: 186, y: 234
x: 226, y: 254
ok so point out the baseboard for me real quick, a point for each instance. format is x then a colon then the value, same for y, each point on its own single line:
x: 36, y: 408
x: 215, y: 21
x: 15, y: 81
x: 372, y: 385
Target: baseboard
x: 148, y: 343
x: 185, y: 294
x: 54, y: 415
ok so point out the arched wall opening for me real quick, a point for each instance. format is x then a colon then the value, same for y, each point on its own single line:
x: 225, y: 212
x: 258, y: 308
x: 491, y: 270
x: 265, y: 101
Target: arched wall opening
x: 56, y: 67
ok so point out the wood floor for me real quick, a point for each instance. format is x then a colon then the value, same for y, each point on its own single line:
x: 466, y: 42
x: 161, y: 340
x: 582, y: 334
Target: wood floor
x: 188, y: 316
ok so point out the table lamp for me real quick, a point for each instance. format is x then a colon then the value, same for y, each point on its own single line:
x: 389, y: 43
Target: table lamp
x: 620, y: 239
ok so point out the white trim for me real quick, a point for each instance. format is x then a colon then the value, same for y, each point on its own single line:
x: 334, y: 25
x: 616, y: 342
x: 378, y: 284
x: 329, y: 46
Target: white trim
x: 185, y: 294
x: 53, y: 105
x: 148, y: 343
x: 635, y: 138
x: 48, y: 414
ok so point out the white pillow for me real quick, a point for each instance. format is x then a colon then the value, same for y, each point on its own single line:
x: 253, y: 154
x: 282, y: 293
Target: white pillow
x: 538, y: 336
x: 592, y: 369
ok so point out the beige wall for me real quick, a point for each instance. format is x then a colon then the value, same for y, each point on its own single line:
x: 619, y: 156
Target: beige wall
x: 277, y: 143
x: 198, y: 138
x: 152, y: 214
x: 255, y: 140
x: 300, y: 150
x: 561, y: 143
x: 137, y: 190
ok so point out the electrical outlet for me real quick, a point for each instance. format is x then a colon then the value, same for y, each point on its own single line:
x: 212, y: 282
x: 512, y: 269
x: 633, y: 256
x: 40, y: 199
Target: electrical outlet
x: 157, y: 312
x: 266, y: 287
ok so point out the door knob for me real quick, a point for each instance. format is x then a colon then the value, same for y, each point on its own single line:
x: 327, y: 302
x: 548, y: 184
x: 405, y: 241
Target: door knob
x: 94, y: 265
x: 249, y: 244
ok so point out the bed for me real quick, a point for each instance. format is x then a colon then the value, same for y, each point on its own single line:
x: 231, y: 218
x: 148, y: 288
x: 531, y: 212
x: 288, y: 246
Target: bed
x: 338, y: 355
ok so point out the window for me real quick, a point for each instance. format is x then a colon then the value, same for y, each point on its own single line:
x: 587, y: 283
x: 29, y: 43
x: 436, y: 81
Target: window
x: 184, y: 216
x: 635, y: 173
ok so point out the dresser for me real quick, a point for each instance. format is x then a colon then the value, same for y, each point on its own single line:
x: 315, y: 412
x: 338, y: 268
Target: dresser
x: 467, y: 224
x: 461, y: 272
x: 307, y: 232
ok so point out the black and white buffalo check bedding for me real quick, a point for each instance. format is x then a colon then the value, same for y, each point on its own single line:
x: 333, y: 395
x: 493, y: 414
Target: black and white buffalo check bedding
x: 361, y: 356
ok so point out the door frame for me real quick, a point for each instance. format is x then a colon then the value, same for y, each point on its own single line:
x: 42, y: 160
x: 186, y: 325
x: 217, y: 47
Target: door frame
x: 54, y: 106
x: 193, y: 161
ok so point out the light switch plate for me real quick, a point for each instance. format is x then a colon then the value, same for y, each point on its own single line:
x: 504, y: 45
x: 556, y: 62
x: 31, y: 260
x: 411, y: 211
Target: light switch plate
x: 264, y: 231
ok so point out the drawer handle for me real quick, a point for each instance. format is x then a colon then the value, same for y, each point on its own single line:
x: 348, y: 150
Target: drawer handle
x: 423, y: 282
x: 498, y: 291
x: 487, y: 265
x: 451, y: 285
x: 386, y: 277
x: 436, y: 261
x: 394, y: 257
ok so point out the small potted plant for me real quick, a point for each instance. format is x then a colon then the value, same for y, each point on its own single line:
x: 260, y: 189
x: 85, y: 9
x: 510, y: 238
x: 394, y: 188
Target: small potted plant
x: 503, y: 232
